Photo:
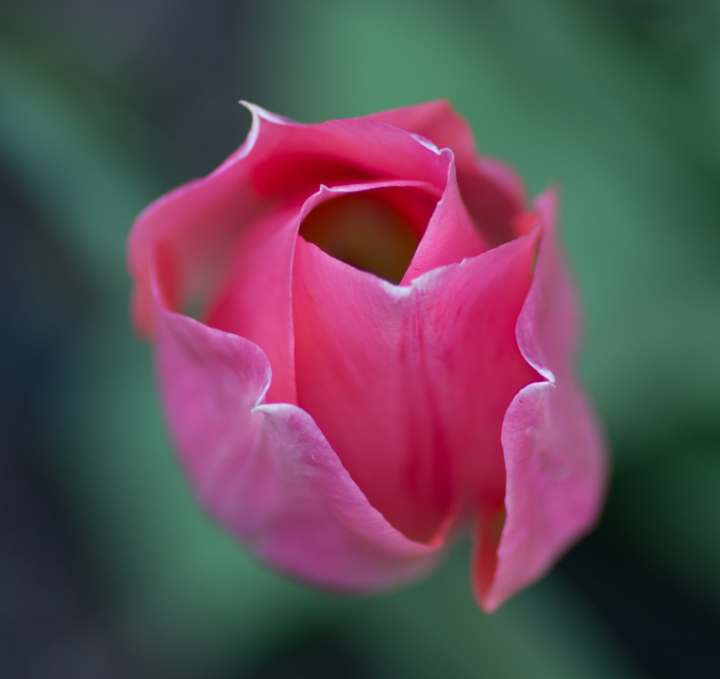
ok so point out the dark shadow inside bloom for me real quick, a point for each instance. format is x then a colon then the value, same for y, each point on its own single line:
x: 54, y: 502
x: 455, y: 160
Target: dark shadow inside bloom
x: 490, y: 530
x: 376, y: 231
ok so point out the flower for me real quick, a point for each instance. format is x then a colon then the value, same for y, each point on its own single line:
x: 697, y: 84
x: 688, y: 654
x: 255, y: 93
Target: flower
x: 383, y: 357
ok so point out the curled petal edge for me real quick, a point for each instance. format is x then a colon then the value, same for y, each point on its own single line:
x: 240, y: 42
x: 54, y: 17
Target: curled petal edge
x: 196, y: 222
x: 266, y: 473
x: 553, y: 446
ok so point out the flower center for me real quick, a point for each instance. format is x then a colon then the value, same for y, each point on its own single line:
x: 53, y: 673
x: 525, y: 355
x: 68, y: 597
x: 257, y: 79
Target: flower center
x: 365, y: 231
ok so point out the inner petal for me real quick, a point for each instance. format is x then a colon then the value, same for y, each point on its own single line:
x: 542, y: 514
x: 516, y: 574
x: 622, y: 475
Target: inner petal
x: 411, y: 389
x: 376, y: 231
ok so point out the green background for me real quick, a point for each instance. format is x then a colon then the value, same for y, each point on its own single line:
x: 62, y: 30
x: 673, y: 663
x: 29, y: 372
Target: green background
x: 104, y: 107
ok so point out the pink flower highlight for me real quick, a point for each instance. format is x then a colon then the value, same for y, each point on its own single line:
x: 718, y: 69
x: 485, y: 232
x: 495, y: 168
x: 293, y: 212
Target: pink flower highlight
x: 384, y: 356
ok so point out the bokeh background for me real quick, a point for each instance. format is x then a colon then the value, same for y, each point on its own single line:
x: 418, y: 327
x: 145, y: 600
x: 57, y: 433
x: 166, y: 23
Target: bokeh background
x: 107, y: 567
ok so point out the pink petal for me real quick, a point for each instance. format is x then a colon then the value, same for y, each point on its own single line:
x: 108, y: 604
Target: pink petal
x: 450, y: 235
x: 554, y: 452
x: 492, y: 192
x: 196, y: 225
x: 506, y: 178
x: 254, y: 301
x: 265, y: 472
x: 437, y: 121
x: 410, y: 384
x: 341, y: 152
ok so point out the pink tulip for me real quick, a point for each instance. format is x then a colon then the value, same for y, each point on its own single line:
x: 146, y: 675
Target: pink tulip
x: 384, y: 356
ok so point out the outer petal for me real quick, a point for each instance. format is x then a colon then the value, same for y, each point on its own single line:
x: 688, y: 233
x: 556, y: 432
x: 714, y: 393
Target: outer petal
x: 554, y: 452
x: 437, y: 121
x: 193, y: 227
x: 421, y: 375
x: 266, y: 472
x: 492, y: 192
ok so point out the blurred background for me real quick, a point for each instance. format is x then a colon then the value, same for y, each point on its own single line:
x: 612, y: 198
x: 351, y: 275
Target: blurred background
x: 107, y: 567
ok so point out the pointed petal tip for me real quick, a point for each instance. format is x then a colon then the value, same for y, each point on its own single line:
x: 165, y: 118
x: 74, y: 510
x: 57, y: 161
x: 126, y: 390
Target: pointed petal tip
x: 260, y: 112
